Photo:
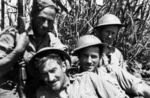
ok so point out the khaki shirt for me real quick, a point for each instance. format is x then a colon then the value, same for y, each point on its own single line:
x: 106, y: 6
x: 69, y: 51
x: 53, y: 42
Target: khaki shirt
x: 120, y: 78
x: 48, y: 41
x: 7, y: 83
x: 8, y: 41
x: 85, y: 85
x: 115, y: 59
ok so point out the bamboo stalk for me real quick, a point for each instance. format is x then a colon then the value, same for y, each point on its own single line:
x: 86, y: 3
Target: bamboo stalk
x: 21, y: 15
x: 2, y: 14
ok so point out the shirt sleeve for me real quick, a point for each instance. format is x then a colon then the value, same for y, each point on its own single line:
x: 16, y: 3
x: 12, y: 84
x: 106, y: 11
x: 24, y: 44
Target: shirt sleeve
x: 7, y: 42
x: 109, y: 90
x: 127, y: 81
x: 90, y: 85
x: 7, y: 56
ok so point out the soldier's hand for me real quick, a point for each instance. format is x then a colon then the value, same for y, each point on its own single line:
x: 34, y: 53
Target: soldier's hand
x: 22, y: 42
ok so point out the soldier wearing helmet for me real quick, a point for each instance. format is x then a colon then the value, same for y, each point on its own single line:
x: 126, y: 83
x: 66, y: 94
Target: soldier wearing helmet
x: 88, y: 63
x: 89, y: 50
x: 107, y: 30
x: 48, y: 65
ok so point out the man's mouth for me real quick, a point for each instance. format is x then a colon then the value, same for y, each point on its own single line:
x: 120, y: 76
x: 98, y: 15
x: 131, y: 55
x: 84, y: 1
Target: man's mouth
x: 109, y: 41
x: 88, y: 67
x: 52, y: 83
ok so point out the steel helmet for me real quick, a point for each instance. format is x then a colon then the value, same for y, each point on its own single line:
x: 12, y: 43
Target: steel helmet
x: 109, y: 19
x: 86, y: 41
x: 43, y: 52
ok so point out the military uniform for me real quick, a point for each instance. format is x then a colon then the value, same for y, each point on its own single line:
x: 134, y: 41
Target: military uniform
x: 8, y: 81
x: 114, y: 58
x: 85, y: 85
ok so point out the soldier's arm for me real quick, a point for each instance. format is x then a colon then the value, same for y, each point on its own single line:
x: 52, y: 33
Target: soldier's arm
x: 130, y: 83
x: 9, y: 59
x: 144, y: 90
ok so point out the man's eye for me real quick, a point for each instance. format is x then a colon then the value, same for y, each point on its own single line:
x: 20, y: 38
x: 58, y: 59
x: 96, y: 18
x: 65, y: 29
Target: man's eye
x: 93, y: 56
x: 113, y: 33
x: 44, y: 74
x: 41, y: 18
x: 84, y: 56
x: 53, y: 71
x: 50, y: 21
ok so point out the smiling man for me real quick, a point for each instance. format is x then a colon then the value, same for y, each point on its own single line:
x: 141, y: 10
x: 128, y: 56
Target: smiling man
x: 88, y: 57
x: 89, y: 50
x: 49, y: 66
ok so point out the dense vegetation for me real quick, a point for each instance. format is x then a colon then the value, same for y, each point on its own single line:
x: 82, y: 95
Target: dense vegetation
x: 132, y: 40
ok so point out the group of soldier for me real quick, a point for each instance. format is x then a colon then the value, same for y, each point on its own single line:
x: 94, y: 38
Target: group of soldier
x: 100, y: 73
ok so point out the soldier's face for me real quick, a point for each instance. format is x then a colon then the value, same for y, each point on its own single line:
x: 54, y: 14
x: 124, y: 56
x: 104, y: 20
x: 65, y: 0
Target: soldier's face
x: 53, y: 74
x: 108, y: 34
x: 89, y: 58
x: 44, y: 21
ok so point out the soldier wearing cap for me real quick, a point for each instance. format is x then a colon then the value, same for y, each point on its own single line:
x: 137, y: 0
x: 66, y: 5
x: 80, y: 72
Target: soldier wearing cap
x: 49, y: 65
x: 40, y: 33
x: 89, y: 50
x: 107, y: 30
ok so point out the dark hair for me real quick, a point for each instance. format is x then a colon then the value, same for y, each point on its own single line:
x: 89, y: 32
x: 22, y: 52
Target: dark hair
x: 39, y: 62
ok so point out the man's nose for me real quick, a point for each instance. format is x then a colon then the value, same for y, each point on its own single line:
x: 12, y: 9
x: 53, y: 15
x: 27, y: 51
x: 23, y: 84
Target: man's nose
x: 110, y: 35
x: 51, y: 77
x: 45, y: 24
x: 89, y: 60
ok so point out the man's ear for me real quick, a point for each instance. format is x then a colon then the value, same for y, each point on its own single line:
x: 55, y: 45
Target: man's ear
x: 64, y: 66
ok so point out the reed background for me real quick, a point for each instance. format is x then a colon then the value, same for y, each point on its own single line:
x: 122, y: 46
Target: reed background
x: 78, y: 17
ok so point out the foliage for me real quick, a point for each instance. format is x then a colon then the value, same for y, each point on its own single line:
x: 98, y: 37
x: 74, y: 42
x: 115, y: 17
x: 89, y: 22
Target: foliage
x: 133, y: 38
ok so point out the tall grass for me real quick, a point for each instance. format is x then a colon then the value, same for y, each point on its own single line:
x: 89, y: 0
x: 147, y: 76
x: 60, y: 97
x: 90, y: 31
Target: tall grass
x: 132, y: 40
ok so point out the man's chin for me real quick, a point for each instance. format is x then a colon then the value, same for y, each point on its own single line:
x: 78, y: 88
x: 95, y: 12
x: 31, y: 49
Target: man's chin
x: 90, y: 69
x: 55, y: 87
x: 108, y: 42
